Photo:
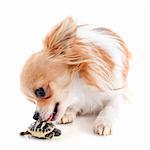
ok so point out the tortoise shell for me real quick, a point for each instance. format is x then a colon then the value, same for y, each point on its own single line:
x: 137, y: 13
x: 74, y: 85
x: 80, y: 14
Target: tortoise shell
x: 42, y: 129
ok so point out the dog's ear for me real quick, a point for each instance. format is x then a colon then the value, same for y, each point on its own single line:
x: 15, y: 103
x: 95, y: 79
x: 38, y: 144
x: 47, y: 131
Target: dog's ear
x: 61, y: 37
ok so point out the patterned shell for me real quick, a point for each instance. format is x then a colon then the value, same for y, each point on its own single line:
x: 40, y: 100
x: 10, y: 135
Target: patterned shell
x: 41, y: 129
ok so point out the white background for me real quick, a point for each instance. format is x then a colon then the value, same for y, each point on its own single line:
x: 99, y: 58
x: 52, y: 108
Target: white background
x: 23, y: 25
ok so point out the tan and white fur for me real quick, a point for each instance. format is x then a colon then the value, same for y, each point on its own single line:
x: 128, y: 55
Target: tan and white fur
x: 84, y: 69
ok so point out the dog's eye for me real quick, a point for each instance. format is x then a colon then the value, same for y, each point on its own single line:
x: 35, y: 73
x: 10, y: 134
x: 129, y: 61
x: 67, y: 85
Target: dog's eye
x: 39, y: 92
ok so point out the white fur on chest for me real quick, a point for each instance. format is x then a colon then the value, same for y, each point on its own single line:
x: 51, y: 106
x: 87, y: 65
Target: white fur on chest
x: 85, y: 96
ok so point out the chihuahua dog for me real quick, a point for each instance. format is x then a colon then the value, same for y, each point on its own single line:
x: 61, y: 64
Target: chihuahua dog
x: 80, y: 70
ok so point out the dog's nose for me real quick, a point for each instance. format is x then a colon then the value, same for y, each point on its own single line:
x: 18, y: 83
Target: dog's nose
x: 36, y: 116
x: 39, y: 92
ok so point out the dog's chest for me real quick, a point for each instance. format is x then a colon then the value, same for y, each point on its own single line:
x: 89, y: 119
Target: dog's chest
x: 86, y: 96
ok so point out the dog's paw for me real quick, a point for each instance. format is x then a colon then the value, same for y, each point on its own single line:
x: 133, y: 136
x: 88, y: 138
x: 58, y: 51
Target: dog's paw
x: 67, y: 118
x: 102, y: 129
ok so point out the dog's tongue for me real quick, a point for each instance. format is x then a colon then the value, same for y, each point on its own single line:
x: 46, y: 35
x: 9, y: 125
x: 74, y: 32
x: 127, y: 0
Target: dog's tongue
x: 50, y: 117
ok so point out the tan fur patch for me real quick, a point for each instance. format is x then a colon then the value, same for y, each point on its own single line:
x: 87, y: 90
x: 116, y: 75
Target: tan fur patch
x: 79, y: 61
x: 124, y: 49
x: 42, y: 103
x: 61, y: 37
x: 105, y: 57
x: 87, y: 77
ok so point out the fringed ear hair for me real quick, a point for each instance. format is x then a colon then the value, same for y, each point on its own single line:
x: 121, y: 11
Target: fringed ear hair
x: 60, y: 38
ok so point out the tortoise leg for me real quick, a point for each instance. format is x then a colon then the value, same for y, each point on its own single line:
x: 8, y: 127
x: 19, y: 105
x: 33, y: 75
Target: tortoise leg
x: 49, y: 135
x: 57, y: 132
x: 25, y: 133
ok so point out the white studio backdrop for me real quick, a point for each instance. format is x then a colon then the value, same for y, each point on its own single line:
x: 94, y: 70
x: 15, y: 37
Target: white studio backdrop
x: 23, y: 25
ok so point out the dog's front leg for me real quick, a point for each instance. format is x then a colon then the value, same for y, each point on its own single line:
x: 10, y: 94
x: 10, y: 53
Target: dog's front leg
x: 105, y: 120
x: 70, y: 114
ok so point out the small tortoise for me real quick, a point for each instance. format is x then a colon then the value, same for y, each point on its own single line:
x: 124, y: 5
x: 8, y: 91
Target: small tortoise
x: 42, y: 130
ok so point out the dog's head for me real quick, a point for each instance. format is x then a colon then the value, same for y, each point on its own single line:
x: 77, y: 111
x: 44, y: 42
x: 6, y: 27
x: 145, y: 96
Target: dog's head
x: 43, y: 83
x: 47, y: 73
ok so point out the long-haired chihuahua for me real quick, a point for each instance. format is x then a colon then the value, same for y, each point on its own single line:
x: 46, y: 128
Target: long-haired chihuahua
x: 80, y: 70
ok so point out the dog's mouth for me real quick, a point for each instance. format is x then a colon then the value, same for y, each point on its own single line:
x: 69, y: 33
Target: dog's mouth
x: 53, y: 116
